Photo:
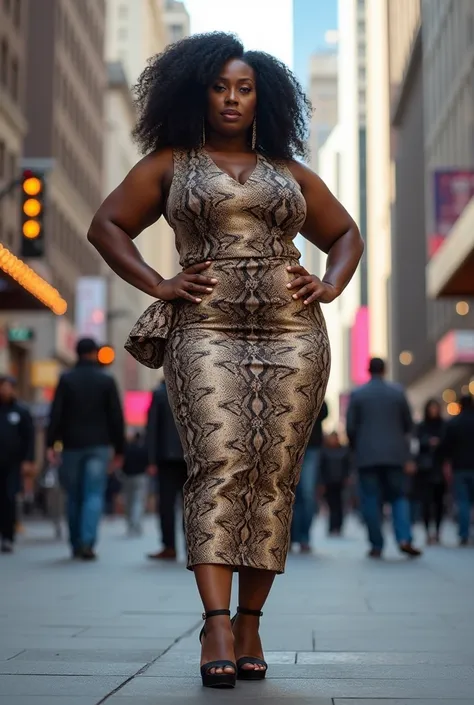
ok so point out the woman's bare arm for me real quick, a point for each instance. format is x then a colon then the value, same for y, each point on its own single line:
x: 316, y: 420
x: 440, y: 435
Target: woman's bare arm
x: 133, y: 206
x: 330, y: 227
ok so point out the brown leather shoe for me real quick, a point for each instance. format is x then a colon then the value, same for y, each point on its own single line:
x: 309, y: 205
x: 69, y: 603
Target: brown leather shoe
x: 410, y: 550
x: 374, y: 553
x: 167, y: 554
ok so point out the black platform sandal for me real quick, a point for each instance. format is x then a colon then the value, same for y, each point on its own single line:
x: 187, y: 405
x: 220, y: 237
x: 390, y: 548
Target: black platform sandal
x: 217, y: 680
x: 250, y: 674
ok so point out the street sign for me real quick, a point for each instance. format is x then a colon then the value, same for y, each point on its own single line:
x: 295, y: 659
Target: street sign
x: 20, y: 335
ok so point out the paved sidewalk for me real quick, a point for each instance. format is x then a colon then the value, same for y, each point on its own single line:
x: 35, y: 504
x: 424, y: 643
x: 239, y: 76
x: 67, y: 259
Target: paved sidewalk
x: 338, y: 629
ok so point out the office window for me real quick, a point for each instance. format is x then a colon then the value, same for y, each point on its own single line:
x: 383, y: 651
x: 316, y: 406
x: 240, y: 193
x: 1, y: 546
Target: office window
x: 176, y: 32
x: 17, y: 13
x: 14, y: 80
x: 123, y: 33
x: 123, y: 12
x: 4, y: 63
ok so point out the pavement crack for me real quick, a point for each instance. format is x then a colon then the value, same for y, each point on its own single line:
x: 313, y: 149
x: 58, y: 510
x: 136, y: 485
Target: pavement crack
x: 145, y: 668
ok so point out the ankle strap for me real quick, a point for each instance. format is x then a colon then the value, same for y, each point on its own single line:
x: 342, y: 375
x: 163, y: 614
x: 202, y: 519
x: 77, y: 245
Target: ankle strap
x: 215, y: 613
x: 250, y: 613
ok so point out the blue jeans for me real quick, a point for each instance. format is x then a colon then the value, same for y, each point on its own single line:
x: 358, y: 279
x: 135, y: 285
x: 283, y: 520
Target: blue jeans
x: 379, y: 485
x: 83, y: 475
x: 464, y: 496
x: 305, y: 497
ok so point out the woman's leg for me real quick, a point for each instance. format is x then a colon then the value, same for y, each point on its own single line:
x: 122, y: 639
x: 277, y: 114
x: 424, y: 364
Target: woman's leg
x: 254, y: 588
x: 438, y: 499
x: 215, y: 584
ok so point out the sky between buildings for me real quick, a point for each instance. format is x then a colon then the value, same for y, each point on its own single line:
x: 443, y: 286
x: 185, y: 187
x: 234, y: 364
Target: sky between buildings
x: 289, y: 29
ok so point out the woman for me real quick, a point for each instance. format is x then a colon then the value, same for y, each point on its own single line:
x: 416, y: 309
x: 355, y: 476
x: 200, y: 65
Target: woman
x: 135, y: 481
x: 430, y: 486
x: 335, y: 473
x: 247, y: 355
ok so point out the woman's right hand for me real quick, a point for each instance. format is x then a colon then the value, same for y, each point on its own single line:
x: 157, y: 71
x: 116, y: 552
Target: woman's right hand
x: 187, y: 284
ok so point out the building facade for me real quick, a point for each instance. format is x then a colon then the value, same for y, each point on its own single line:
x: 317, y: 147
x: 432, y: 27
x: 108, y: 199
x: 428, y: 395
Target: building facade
x: 433, y: 156
x: 342, y: 165
x: 136, y: 31
x: 323, y: 94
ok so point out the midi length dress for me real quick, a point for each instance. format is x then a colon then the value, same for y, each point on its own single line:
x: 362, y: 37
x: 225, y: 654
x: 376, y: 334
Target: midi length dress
x: 247, y: 368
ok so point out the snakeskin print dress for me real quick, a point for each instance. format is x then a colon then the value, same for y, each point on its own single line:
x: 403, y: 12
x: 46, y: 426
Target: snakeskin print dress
x: 247, y: 368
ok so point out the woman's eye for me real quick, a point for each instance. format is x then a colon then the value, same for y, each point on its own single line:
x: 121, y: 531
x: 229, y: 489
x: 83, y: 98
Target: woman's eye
x: 219, y: 89
x: 245, y: 89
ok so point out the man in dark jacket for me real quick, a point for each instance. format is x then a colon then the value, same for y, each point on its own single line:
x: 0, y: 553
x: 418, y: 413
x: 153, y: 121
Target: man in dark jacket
x: 457, y: 446
x: 86, y: 418
x: 379, y: 422
x: 167, y: 462
x: 17, y: 452
x: 305, y: 499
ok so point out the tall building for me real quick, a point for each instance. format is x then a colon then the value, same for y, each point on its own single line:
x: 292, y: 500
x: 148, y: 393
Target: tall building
x: 379, y: 178
x: 56, y: 78
x: 136, y: 31
x: 342, y: 165
x: 177, y: 20
x: 125, y: 302
x: 322, y: 91
x: 421, y: 133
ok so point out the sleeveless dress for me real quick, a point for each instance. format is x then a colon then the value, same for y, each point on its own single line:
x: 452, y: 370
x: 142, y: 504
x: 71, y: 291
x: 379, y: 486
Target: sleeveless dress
x: 247, y: 368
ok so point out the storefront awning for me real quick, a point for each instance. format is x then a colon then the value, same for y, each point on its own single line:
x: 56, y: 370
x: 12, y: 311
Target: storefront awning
x: 450, y: 272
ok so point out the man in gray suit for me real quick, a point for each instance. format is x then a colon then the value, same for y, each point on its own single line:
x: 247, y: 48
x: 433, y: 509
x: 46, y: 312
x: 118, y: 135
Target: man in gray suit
x: 378, y: 426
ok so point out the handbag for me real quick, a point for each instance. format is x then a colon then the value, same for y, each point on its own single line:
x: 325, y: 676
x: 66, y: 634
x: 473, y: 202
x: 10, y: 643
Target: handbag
x: 147, y: 339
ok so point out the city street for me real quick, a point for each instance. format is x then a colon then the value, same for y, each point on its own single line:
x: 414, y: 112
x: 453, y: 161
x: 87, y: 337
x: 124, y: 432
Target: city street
x: 338, y: 630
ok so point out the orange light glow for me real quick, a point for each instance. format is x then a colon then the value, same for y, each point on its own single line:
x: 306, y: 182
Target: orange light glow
x: 32, y: 207
x: 31, y: 229
x: 106, y: 355
x: 32, y: 186
x: 31, y: 281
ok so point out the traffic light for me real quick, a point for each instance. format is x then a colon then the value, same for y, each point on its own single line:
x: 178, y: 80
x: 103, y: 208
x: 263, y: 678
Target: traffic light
x: 106, y: 355
x: 33, y: 187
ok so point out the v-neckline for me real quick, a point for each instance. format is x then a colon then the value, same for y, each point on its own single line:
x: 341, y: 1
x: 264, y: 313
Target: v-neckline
x: 226, y: 173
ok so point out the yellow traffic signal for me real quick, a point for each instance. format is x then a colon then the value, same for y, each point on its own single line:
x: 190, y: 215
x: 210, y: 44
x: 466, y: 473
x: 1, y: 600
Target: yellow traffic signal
x: 106, y: 355
x: 32, y: 186
x: 32, y: 213
x: 31, y: 229
x: 32, y: 207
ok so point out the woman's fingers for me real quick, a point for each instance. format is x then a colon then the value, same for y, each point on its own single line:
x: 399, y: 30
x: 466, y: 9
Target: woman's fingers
x: 299, y: 281
x: 196, y: 268
x: 183, y: 294
x: 198, y: 288
x: 298, y: 269
x: 199, y: 279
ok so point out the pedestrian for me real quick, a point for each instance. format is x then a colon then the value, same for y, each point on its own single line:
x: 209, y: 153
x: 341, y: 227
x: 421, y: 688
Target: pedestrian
x: 457, y: 447
x: 17, y: 456
x: 305, y: 499
x: 240, y: 330
x: 379, y: 422
x: 168, y: 465
x: 335, y: 472
x: 135, y: 482
x: 86, y: 418
x: 429, y: 482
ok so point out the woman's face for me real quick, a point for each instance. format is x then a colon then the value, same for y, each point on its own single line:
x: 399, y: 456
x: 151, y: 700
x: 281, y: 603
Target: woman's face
x: 232, y: 99
x: 434, y: 412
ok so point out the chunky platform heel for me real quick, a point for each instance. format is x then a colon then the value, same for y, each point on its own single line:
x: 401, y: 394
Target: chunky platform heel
x: 250, y: 674
x: 217, y: 680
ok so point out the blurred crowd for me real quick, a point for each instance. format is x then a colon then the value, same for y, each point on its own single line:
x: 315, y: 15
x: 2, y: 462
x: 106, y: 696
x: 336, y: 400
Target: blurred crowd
x: 382, y: 466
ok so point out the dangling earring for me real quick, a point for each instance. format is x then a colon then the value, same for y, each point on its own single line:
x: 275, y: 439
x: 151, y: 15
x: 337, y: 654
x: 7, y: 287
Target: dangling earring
x: 203, y: 138
x: 254, y: 134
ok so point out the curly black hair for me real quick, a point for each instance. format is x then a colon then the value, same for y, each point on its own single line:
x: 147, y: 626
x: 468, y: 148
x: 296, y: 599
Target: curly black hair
x: 171, y: 97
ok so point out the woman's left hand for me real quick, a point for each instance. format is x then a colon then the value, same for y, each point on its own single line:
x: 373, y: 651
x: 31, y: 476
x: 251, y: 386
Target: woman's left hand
x: 310, y: 287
